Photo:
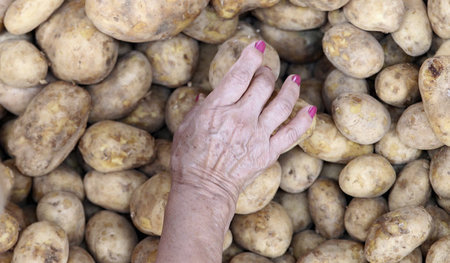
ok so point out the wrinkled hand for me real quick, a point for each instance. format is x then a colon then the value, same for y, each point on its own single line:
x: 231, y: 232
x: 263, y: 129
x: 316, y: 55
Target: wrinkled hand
x: 226, y: 140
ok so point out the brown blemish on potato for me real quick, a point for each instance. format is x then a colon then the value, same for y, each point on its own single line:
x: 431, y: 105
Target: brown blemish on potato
x: 435, y: 68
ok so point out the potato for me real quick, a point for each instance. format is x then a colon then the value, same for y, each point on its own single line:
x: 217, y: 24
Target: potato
x: 23, y: 16
x: 336, y: 16
x: 249, y: 257
x: 149, y: 20
x: 44, y: 135
x: 444, y: 49
x: 394, y: 235
x: 433, y: 85
x: 145, y: 251
x: 439, y: 251
x: 440, y: 172
x: 367, y: 176
x: 162, y: 160
x: 200, y: 78
x: 414, y: 129
x: 353, y: 51
x: 209, y: 27
x: 17, y: 212
x: 79, y: 255
x: 393, y: 54
x: 440, y: 228
x: 327, y: 206
x: 296, y: 205
x: 6, y: 184
x: 444, y: 203
x: 77, y: 51
x: 230, y: 252
x: 360, y: 214
x: 7, y: 256
x: 110, y: 237
x: 375, y: 15
x: 65, y: 210
x: 299, y: 170
x: 113, y: 190
x: 16, y: 100
x: 331, y: 170
x: 119, y: 94
x: 267, y: 232
x: 149, y: 112
x: 304, y: 242
x: 286, y: 258
x: 9, y: 232
x: 413, y: 257
x: 231, y: 8
x: 173, y: 60
x: 325, y: 5
x: 438, y: 12
x: 412, y: 187
x: 397, y: 85
x: 22, y: 65
x: 260, y: 192
x: 110, y: 146
x: 63, y: 178
x: 294, y: 46
x: 180, y: 102
x: 336, y: 250
x: 3, y: 7
x: 337, y: 83
x: 360, y: 117
x: 287, y: 16
x: 22, y: 184
x: 328, y: 144
x: 42, y: 242
x: 311, y: 93
x: 148, y: 203
x: 305, y: 71
x: 322, y: 68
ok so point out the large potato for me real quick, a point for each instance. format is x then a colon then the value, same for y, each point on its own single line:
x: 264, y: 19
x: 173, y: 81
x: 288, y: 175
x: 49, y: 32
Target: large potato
x: 336, y: 16
x: 439, y: 251
x: 23, y: 16
x: 16, y: 100
x: 367, y: 176
x: 9, y: 232
x: 375, y: 15
x: 200, y: 78
x: 327, y: 206
x: 440, y: 228
x: 260, y: 192
x: 140, y: 21
x: 146, y: 250
x: 287, y: 16
x: 328, y: 144
x: 148, y: 203
x: 414, y: 129
x: 412, y: 187
x: 231, y: 8
x: 267, y: 232
x: 118, y: 94
x: 78, y: 52
x: 360, y: 214
x: 299, y: 170
x: 438, y: 13
x: 113, y: 190
x: 109, y: 146
x: 433, y: 85
x: 44, y: 135
x: 296, y: 205
x: 336, y: 250
x: 65, y: 210
x: 304, y: 242
x: 162, y: 160
x: 444, y: 203
x: 173, y: 60
x: 42, y: 242
x: 353, y: 51
x: 360, y: 117
x: 397, y: 85
x: 393, y: 54
x: 440, y: 172
x: 444, y: 49
x: 22, y: 65
x: 79, y: 255
x: 246, y: 257
x: 413, y: 257
x: 110, y: 237
x: 22, y: 184
x: 3, y: 7
x: 286, y: 258
x: 394, y: 235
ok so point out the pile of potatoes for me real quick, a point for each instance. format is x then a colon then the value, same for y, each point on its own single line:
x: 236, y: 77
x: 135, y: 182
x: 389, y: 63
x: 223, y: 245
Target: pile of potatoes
x: 92, y: 91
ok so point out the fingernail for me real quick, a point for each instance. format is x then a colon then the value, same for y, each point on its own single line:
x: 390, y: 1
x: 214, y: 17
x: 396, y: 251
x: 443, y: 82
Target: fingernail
x: 296, y: 79
x: 260, y: 45
x: 196, y: 98
x: 312, y: 111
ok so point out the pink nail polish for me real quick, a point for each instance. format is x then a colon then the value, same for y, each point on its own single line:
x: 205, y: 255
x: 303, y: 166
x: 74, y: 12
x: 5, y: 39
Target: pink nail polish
x: 196, y: 98
x: 296, y: 79
x: 260, y: 45
x: 312, y: 111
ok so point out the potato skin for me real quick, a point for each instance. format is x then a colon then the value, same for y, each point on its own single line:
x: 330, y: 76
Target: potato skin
x: 296, y: 205
x: 200, y: 77
x: 40, y: 242
x: 353, y: 51
x: 78, y: 52
x: 9, y: 232
x: 162, y: 160
x: 325, y: 5
x: 440, y: 171
x: 413, y: 257
x: 394, y: 235
x: 439, y: 251
x: 393, y: 54
x: 231, y: 8
x: 433, y: 85
x: 110, y: 237
x: 22, y: 184
x: 249, y: 257
x: 118, y: 94
x: 110, y: 146
x: 23, y: 16
x: 146, y: 250
x: 180, y: 102
x: 3, y: 7
x: 42, y: 139
x: 79, y: 255
x: 327, y: 206
x: 440, y: 228
x: 15, y: 100
x: 438, y: 12
x: 267, y: 232
x: 336, y: 250
x: 304, y: 242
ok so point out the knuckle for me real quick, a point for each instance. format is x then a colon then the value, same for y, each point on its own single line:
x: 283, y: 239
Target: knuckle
x: 241, y: 75
x: 293, y: 134
x: 285, y: 107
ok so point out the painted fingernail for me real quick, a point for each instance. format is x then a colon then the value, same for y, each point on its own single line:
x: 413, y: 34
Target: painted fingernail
x: 260, y: 45
x: 196, y: 98
x: 312, y: 111
x: 296, y: 79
